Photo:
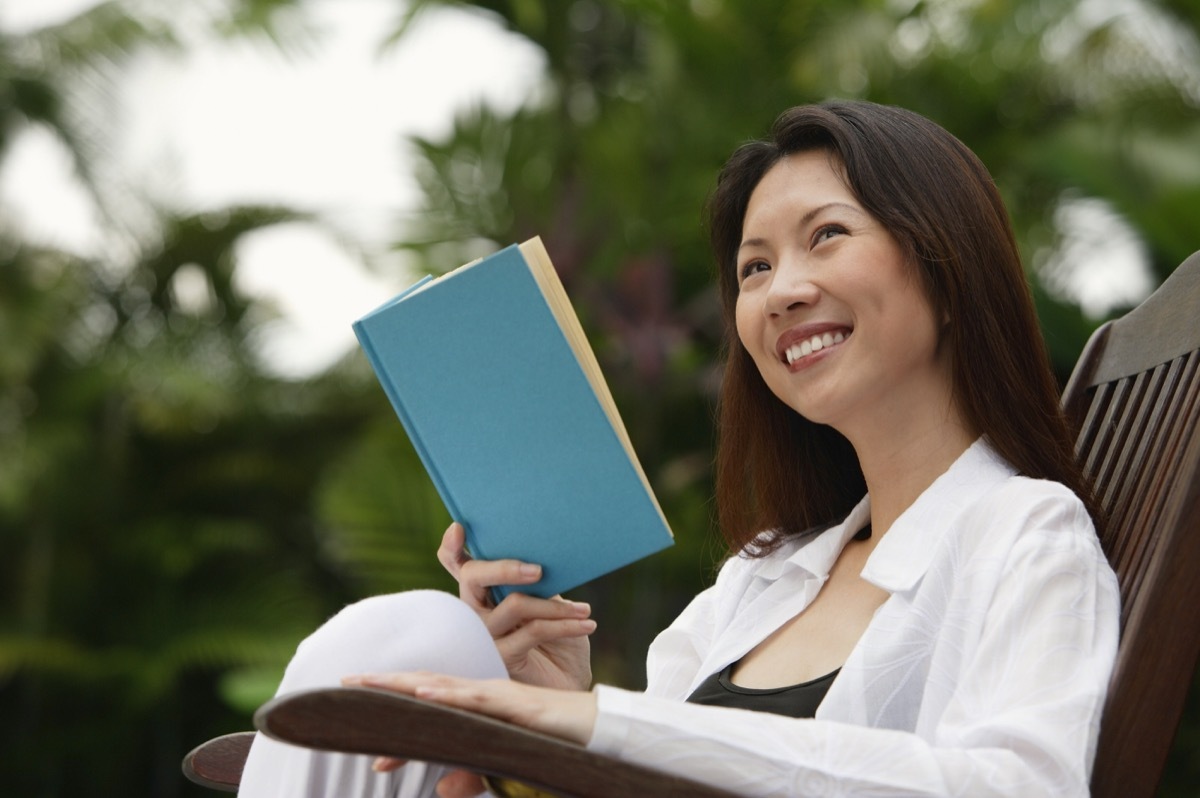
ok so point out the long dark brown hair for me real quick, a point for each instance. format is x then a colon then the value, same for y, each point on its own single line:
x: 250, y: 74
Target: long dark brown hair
x: 779, y: 474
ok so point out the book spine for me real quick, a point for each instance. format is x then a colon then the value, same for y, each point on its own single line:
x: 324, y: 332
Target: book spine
x: 393, y: 393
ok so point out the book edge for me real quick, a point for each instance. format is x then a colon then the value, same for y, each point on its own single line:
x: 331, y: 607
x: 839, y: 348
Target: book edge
x: 555, y: 294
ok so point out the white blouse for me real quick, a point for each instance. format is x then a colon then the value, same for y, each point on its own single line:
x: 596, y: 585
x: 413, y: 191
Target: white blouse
x: 984, y: 673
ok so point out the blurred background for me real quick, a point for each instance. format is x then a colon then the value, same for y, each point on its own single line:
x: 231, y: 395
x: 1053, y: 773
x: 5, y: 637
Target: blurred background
x: 197, y: 197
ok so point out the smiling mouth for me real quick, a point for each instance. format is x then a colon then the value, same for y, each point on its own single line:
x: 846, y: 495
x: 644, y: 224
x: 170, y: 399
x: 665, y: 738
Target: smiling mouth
x: 803, y: 349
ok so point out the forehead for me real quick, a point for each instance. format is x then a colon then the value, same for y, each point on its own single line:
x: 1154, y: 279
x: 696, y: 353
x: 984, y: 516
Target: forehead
x: 807, y: 179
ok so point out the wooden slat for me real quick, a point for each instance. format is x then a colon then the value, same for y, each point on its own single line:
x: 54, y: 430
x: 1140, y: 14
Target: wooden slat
x: 1130, y: 518
x: 1178, y: 425
x: 1135, y: 467
x: 1134, y: 414
x: 1138, y: 415
x: 1107, y: 428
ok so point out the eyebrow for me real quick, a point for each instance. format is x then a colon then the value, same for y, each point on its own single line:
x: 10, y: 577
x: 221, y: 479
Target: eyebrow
x: 804, y: 220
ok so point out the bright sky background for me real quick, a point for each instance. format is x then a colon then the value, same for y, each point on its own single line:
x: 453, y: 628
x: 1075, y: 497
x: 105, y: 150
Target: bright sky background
x: 322, y: 130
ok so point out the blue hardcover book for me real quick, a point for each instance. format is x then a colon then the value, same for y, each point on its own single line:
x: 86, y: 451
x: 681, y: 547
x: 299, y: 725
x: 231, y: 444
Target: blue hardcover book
x: 490, y: 372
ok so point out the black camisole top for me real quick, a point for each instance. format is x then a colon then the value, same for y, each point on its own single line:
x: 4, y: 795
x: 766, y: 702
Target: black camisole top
x: 797, y: 701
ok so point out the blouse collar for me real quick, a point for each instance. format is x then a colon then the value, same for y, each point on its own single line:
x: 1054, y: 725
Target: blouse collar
x: 904, y: 554
x: 815, y: 554
x: 901, y: 558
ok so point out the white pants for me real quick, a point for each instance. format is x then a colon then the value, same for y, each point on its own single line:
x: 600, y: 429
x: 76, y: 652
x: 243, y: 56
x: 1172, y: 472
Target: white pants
x: 419, y: 630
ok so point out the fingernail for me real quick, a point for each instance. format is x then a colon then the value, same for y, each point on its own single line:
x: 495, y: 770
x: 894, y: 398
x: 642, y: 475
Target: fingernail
x: 528, y: 570
x: 352, y: 681
x: 581, y: 607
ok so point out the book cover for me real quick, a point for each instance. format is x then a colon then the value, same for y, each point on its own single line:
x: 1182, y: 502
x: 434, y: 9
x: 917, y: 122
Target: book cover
x: 489, y: 371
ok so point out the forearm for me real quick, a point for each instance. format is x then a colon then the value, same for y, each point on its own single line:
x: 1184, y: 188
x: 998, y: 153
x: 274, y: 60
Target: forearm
x: 754, y: 753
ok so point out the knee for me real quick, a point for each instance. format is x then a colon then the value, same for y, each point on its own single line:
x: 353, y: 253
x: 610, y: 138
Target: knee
x: 427, y: 614
x: 415, y: 630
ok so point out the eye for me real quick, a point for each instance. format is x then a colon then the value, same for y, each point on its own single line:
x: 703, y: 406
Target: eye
x: 752, y: 268
x: 826, y: 232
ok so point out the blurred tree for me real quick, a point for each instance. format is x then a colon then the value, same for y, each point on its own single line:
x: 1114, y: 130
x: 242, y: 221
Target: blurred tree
x: 148, y: 477
x: 156, y: 489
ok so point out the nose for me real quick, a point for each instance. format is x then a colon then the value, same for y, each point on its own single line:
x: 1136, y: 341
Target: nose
x: 791, y: 288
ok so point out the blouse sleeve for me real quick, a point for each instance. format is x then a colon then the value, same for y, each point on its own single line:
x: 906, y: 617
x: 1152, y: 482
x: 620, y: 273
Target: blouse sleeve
x: 1021, y: 716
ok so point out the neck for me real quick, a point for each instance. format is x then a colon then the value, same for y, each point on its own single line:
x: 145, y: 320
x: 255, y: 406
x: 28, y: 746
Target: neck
x: 900, y: 464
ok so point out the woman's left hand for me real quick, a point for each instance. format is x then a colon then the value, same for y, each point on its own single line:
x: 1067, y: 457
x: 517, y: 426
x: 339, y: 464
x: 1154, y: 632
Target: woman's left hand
x: 569, y: 714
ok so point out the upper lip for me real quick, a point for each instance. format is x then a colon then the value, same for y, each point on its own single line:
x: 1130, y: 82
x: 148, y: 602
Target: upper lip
x: 804, y: 332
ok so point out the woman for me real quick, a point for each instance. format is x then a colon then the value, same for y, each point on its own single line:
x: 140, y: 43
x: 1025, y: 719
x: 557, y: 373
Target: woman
x: 951, y: 633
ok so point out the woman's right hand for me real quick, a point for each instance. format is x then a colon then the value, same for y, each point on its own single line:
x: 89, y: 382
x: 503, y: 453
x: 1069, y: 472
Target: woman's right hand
x: 542, y: 641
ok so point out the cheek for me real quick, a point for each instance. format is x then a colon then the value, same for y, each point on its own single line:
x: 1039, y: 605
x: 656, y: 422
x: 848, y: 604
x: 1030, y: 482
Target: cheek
x: 750, y: 326
x: 743, y: 319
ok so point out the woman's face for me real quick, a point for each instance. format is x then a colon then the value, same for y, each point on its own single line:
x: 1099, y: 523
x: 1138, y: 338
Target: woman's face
x: 833, y: 316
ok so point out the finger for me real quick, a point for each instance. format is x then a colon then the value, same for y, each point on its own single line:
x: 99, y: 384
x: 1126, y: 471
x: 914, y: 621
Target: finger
x: 484, y: 696
x: 520, y: 642
x: 460, y: 784
x: 396, y: 682
x: 386, y: 764
x: 519, y: 609
x: 452, y: 554
x: 405, y: 682
x: 480, y: 695
x: 476, y: 577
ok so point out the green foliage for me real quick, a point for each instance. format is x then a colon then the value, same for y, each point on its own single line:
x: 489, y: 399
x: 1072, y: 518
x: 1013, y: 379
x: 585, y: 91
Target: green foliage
x: 147, y: 506
x: 175, y: 520
x: 381, y: 516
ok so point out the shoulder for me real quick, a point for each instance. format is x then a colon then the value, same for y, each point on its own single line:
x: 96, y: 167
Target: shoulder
x: 1024, y: 518
x: 1023, y: 549
x: 1025, y: 504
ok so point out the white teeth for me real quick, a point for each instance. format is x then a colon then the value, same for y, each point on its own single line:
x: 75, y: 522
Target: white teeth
x: 814, y: 344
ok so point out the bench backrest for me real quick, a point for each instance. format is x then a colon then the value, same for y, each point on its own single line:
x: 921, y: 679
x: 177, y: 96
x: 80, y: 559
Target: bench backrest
x: 1135, y: 397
